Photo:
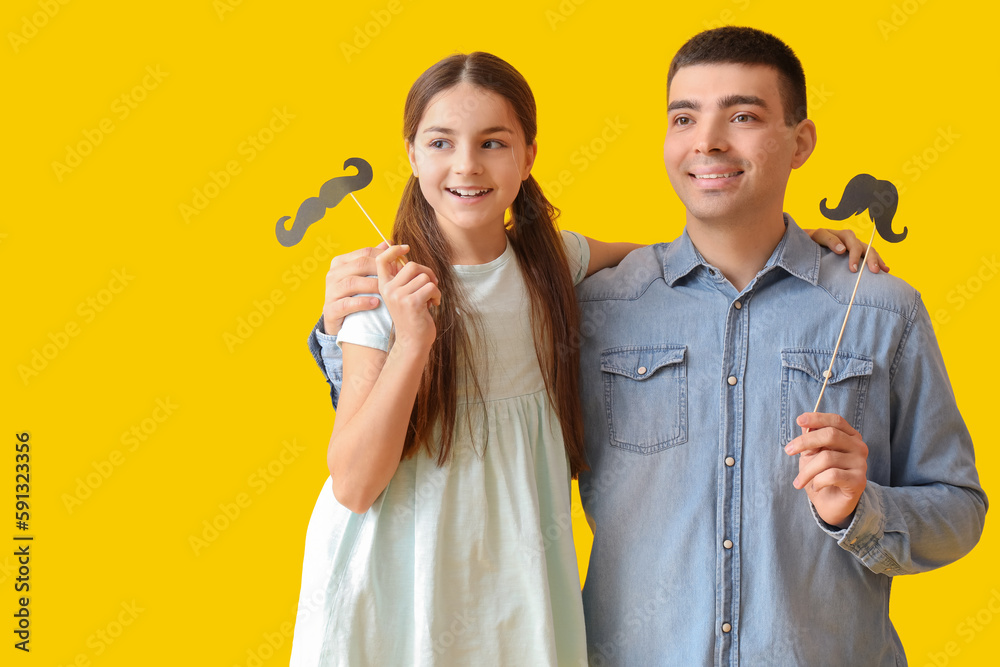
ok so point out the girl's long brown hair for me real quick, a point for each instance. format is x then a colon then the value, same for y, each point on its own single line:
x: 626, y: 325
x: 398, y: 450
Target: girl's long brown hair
x: 540, y: 255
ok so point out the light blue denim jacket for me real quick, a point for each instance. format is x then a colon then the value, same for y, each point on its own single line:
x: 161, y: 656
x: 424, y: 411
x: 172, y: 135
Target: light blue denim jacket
x: 704, y: 553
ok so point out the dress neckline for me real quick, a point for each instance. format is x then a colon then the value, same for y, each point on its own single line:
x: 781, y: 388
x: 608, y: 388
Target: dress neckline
x: 491, y: 265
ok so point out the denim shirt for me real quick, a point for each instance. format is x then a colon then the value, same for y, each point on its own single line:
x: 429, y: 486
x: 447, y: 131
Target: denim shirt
x: 704, y: 553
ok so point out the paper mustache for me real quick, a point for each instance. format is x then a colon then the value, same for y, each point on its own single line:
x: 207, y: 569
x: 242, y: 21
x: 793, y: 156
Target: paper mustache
x: 867, y: 192
x: 331, y: 193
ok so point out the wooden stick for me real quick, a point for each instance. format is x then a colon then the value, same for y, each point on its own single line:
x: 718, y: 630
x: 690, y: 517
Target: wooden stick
x: 829, y: 371
x: 369, y: 218
x: 400, y: 262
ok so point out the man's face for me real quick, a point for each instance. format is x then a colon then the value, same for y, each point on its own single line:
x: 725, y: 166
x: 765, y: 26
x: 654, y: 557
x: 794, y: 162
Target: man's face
x: 728, y: 151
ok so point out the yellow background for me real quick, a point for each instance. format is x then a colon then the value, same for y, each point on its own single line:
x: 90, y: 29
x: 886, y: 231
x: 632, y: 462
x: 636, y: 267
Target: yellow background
x: 890, y: 82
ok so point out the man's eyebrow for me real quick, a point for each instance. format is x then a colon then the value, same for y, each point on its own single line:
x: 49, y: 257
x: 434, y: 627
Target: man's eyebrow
x: 683, y: 104
x: 741, y: 100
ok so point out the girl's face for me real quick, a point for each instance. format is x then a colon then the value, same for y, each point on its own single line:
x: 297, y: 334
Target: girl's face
x: 470, y: 157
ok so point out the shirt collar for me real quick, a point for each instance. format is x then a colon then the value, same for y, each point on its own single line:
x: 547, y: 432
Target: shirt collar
x: 796, y: 253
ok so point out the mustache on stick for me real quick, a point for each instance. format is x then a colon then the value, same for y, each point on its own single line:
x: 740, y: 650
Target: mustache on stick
x: 864, y: 191
x: 331, y: 193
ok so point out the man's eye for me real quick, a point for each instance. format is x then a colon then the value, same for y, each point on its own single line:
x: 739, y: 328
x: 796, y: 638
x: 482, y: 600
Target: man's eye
x: 682, y: 120
x: 743, y: 118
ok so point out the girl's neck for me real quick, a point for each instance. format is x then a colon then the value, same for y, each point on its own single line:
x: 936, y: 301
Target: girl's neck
x: 476, y: 246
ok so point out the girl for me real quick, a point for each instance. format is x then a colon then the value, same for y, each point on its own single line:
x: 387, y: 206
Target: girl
x: 443, y: 535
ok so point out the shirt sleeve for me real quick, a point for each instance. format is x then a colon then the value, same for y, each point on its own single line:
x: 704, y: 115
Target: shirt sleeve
x: 578, y: 254
x: 933, y: 510
x: 326, y: 353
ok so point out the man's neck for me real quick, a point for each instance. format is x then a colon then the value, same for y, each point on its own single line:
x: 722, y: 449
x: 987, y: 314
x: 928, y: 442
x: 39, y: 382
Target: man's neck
x: 738, y: 249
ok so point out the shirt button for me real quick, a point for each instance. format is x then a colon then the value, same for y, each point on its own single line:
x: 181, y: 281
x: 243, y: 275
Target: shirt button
x: 732, y: 380
x: 730, y: 461
x: 737, y: 305
x: 642, y: 370
x: 728, y: 544
x: 726, y: 627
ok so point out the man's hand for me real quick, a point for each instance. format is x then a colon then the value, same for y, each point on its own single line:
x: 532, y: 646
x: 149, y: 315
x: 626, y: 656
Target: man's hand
x: 833, y: 464
x: 350, y: 275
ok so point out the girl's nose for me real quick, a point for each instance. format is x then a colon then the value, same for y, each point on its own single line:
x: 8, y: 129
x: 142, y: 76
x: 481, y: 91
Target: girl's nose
x: 467, y: 161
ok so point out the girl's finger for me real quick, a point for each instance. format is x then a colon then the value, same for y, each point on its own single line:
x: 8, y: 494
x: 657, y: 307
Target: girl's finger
x: 386, y: 262
x: 430, y: 294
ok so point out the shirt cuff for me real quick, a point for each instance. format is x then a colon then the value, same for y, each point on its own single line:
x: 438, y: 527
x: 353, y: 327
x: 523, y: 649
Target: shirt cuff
x: 333, y: 361
x: 863, y: 536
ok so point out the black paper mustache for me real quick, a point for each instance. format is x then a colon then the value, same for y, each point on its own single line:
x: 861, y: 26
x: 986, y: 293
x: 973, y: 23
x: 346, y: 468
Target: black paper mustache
x: 867, y: 192
x: 330, y: 194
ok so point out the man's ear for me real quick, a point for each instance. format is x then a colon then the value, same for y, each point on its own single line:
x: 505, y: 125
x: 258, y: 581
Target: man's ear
x: 805, y: 142
x: 412, y: 157
x: 529, y: 158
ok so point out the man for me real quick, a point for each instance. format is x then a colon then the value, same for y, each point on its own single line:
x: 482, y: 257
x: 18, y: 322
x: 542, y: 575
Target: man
x: 731, y: 524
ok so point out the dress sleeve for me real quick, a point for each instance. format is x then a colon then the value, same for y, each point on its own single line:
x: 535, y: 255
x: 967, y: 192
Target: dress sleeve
x: 369, y: 328
x: 578, y: 254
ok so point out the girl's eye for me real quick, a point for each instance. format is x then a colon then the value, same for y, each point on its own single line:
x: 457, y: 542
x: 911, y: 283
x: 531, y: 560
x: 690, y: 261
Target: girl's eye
x: 439, y: 143
x: 493, y: 143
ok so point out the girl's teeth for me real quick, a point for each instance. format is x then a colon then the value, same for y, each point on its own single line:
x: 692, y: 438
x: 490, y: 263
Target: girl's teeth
x: 468, y: 193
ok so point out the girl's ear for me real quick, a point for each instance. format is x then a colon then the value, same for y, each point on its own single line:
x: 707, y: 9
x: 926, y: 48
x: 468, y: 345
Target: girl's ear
x: 529, y: 158
x: 412, y: 157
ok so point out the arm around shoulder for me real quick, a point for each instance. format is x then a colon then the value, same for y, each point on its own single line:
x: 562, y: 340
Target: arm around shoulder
x: 605, y: 255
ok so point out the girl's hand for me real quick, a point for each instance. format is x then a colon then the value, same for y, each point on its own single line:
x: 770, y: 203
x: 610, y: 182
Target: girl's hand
x: 844, y: 240
x: 408, y: 291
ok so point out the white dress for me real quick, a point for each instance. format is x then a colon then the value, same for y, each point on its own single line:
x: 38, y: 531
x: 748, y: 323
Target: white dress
x: 471, y: 563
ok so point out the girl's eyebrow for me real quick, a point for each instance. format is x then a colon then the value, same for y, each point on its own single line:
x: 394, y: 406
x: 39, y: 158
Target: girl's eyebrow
x: 490, y: 130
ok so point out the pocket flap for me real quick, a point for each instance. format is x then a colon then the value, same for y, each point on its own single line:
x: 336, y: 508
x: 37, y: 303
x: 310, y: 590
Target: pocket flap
x: 815, y: 362
x: 639, y: 363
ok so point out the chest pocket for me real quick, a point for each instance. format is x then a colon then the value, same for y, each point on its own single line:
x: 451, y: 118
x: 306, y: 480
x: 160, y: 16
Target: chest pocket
x: 802, y: 378
x: 645, y: 395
